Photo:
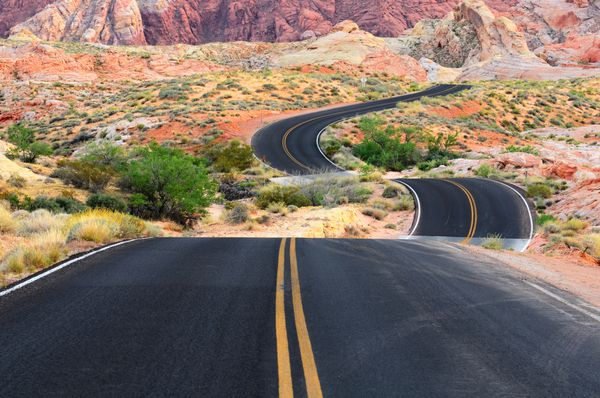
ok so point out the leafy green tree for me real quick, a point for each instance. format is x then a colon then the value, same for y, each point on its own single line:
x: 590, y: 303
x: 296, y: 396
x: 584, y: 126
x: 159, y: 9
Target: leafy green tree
x: 168, y: 183
x: 26, y: 148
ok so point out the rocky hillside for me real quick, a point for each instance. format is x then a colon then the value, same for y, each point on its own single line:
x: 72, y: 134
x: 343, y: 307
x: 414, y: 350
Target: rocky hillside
x: 200, y: 21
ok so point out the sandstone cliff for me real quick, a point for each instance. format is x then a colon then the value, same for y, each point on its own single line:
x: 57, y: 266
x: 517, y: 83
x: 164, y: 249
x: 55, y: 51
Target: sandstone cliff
x: 200, y: 21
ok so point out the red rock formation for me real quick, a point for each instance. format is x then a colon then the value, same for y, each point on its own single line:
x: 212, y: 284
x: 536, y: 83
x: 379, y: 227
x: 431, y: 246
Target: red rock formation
x: 199, y: 21
x: 13, y: 12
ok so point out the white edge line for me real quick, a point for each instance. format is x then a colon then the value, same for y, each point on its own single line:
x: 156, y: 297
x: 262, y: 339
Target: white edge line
x: 531, y: 226
x: 418, y: 218
x: 319, y: 138
x: 61, y: 266
x: 562, y: 300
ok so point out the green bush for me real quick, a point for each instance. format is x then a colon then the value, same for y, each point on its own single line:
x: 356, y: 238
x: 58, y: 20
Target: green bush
x: 544, y: 218
x: 105, y: 201
x: 485, y: 170
x: 288, y: 195
x: 84, y: 174
x: 168, y: 183
x: 383, y: 147
x: 391, y: 192
x: 56, y: 205
x: 104, y: 153
x: 525, y: 149
x: 233, y: 156
x: 333, y: 191
x: 539, y: 190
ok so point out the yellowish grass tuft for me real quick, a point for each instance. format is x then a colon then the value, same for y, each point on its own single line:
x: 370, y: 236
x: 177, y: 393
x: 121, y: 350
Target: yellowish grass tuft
x: 7, y: 223
x: 102, y: 225
x: 39, y: 221
x: 575, y: 224
x: 592, y: 244
x: 43, y: 250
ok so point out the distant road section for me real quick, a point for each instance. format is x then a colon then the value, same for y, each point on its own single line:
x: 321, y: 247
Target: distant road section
x: 290, y: 145
x: 457, y: 210
x: 468, y: 210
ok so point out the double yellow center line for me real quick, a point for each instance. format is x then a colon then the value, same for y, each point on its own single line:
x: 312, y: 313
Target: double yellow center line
x: 284, y: 372
x: 291, y: 129
x: 473, y: 208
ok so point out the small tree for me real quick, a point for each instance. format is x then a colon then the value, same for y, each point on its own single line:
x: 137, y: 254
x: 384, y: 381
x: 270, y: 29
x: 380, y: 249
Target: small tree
x: 26, y: 148
x: 168, y: 183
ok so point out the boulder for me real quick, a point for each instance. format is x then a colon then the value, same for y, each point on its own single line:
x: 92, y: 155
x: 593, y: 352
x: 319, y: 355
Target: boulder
x: 518, y: 160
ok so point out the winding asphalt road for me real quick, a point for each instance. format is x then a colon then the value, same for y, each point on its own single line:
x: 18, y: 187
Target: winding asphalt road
x: 290, y: 145
x: 309, y: 317
x: 455, y: 210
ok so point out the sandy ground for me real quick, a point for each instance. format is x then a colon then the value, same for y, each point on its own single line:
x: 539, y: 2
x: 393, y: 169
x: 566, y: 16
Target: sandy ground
x: 576, y: 276
x: 309, y: 222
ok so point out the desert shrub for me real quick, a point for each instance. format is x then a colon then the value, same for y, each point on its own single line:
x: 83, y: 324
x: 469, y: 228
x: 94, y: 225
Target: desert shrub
x: 234, y: 155
x: 173, y: 92
x: 15, y: 180
x: 432, y: 164
x: 539, y: 190
x: 332, y: 191
x: 575, y: 224
x: 383, y: 147
x: 105, y: 201
x: 484, y: 170
x: 238, y: 214
x: 525, y: 149
x: 405, y: 202
x: 169, y: 183
x: 551, y: 227
x: 277, y: 208
x: 84, y: 174
x: 391, y: 192
x: 493, y: 242
x: 56, y: 205
x: 288, y: 195
x: 542, y: 219
x: 377, y: 214
x: 105, y: 153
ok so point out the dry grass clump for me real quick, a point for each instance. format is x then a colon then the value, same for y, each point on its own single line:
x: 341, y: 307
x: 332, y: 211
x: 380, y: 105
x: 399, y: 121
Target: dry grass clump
x: 493, y: 242
x: 377, y: 214
x: 103, y: 225
x: 39, y: 221
x: 591, y: 244
x: 49, y: 234
x: 43, y: 250
x: 7, y: 223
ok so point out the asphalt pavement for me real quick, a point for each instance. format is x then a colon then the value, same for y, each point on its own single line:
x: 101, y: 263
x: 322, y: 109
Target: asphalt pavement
x: 317, y: 317
x: 290, y: 145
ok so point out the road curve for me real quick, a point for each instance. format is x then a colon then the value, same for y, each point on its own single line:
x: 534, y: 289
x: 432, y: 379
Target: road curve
x: 290, y: 145
x: 456, y: 210
x: 468, y: 210
x: 268, y: 317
